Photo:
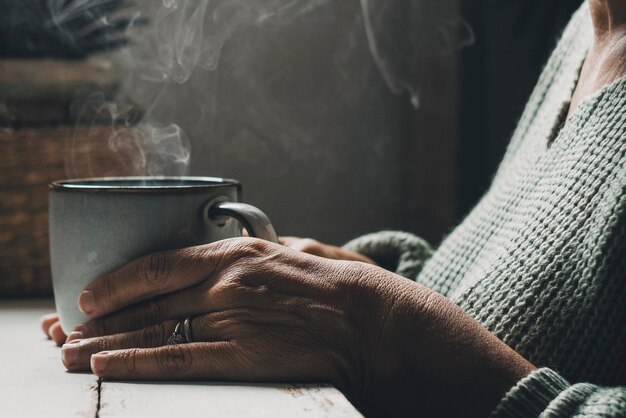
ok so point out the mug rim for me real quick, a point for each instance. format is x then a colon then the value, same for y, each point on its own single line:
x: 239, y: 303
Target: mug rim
x: 195, y: 183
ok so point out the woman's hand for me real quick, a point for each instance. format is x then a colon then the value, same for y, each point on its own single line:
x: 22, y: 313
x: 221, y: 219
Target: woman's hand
x: 263, y: 312
x: 260, y: 312
x: 311, y: 246
x: 52, y: 328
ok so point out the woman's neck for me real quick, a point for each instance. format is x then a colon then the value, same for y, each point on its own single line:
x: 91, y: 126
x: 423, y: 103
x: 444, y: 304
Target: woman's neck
x: 609, y: 18
x: 606, y: 60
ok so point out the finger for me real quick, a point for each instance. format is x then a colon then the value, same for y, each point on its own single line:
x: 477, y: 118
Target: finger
x: 214, y: 301
x: 46, y: 322
x: 191, y: 302
x: 56, y: 333
x: 213, y: 361
x: 216, y: 326
x: 287, y: 241
x: 341, y: 254
x: 150, y: 276
x: 305, y: 245
x: 313, y: 247
x: 77, y: 354
x: 185, y: 303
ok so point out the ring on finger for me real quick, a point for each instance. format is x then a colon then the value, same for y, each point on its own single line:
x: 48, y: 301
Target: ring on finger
x: 182, y: 333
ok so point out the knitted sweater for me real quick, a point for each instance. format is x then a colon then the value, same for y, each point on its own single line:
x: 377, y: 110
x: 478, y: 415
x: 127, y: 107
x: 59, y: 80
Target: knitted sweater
x: 541, y: 260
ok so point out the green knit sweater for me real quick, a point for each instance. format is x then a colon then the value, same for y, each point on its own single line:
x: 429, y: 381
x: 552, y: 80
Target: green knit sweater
x: 541, y: 260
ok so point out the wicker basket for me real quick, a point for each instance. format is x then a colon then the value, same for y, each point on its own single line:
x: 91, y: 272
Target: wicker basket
x: 32, y: 155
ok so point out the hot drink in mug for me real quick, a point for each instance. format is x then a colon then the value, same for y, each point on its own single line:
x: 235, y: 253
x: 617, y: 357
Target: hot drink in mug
x: 98, y: 225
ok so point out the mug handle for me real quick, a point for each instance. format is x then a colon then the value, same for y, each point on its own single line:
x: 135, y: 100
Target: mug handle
x: 252, y: 218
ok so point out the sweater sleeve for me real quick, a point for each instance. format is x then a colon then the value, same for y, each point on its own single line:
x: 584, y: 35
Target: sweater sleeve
x: 399, y: 252
x: 544, y: 393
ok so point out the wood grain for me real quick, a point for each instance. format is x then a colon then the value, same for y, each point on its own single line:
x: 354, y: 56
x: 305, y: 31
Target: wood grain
x: 166, y: 400
x: 34, y: 383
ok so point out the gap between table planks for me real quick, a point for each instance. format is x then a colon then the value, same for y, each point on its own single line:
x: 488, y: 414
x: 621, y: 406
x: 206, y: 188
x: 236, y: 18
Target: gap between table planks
x: 34, y: 383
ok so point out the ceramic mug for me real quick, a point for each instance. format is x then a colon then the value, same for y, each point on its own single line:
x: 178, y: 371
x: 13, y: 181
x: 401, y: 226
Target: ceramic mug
x: 100, y: 224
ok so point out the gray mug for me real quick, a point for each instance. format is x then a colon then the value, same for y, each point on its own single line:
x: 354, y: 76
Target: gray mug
x: 100, y: 224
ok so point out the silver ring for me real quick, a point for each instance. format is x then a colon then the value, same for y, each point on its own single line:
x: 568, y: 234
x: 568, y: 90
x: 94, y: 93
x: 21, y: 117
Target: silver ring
x: 182, y: 333
x: 187, y: 329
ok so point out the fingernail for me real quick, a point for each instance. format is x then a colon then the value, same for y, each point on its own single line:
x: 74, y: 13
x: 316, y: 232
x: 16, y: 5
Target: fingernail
x: 75, y: 335
x: 86, y: 302
x: 99, y: 362
x: 69, y: 353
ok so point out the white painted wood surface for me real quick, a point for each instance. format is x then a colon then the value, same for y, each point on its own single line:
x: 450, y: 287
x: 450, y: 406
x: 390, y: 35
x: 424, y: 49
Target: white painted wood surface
x: 222, y: 400
x: 34, y: 383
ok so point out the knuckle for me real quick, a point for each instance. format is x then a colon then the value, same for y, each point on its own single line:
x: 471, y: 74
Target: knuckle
x: 243, y: 262
x: 233, y: 277
x: 212, y: 257
x: 258, y: 247
x: 174, y: 360
x: 243, y: 278
x: 247, y: 247
x: 155, y: 268
x: 222, y: 289
x: 103, y: 344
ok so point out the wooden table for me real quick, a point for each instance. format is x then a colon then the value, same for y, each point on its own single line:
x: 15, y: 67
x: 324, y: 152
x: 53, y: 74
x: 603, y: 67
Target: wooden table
x: 34, y: 383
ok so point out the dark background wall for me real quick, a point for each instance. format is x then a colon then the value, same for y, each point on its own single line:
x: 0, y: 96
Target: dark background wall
x: 514, y: 39
x: 304, y: 113
x: 371, y: 161
x: 316, y: 123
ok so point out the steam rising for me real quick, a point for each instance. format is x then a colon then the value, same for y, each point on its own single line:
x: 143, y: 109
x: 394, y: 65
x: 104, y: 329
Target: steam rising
x: 393, y: 56
x: 145, y: 149
x: 186, y: 35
